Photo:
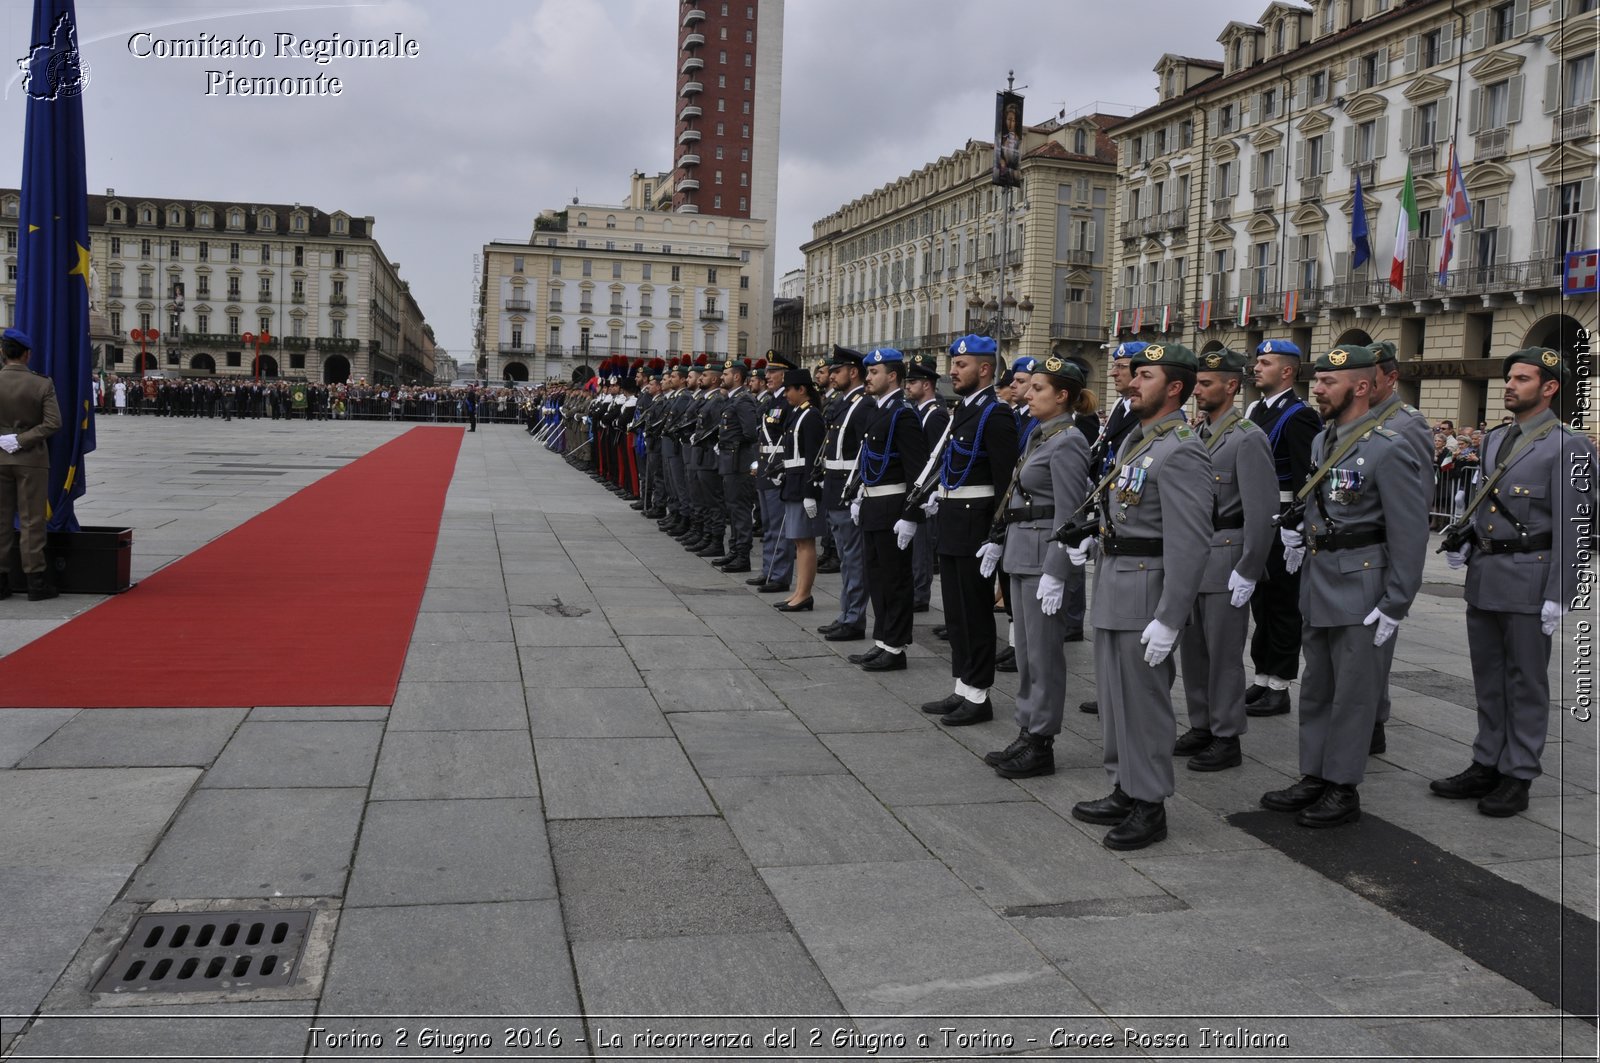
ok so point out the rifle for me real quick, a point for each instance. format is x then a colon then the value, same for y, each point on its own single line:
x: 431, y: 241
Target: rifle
x: 928, y: 479
x: 1082, y: 523
x: 1292, y: 516
x: 1456, y: 534
x: 852, y: 482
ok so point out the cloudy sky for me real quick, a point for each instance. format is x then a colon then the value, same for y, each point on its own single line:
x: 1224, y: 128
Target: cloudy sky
x: 514, y: 106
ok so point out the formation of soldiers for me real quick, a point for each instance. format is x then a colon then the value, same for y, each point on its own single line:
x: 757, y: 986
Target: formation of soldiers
x: 286, y: 399
x: 1310, y: 518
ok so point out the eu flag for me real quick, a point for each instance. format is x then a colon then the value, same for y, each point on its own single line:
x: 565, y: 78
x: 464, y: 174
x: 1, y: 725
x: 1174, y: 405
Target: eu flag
x: 53, y: 253
x: 1361, y: 248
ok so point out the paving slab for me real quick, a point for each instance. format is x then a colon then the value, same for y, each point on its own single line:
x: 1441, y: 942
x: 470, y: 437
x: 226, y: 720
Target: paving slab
x: 603, y: 712
x: 651, y: 878
x: 1571, y: 881
x: 48, y: 914
x: 576, y: 666
x: 542, y: 630
x: 469, y: 706
x: 125, y: 738
x: 87, y: 817
x: 709, y: 690
x: 320, y: 712
x: 451, y: 852
x: 708, y: 974
x: 443, y: 627
x: 920, y: 768
x: 254, y: 843
x: 840, y: 707
x: 441, y: 599
x: 461, y: 662
x: 433, y: 765
x: 310, y: 753
x: 584, y: 778
x: 677, y: 652
x: 811, y: 819
x: 23, y: 729
x: 751, y: 743
x: 197, y: 1033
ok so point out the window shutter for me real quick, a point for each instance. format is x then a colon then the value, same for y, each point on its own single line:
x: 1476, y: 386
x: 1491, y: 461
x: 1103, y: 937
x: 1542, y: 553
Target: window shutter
x: 1502, y: 245
x: 1233, y: 180
x: 1474, y: 106
x: 1491, y: 213
x: 1341, y: 266
x: 1352, y: 71
x: 1478, y: 30
x: 1349, y: 156
x: 1514, y: 93
x: 1277, y: 170
x: 1519, y: 19
x: 1552, y: 88
x: 1255, y: 173
x: 1380, y: 138
x: 1442, y: 126
x: 1541, y: 215
x: 1586, y: 195
x: 1089, y: 237
x: 1407, y: 125
x: 1411, y: 54
x: 1327, y: 154
x: 1300, y: 93
x: 1383, y: 65
x: 1215, y: 123
x: 1244, y: 113
x: 1300, y: 161
x: 1447, y: 41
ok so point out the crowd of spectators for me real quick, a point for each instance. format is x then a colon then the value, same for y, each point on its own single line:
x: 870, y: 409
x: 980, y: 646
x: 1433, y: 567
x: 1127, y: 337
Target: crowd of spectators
x: 279, y: 399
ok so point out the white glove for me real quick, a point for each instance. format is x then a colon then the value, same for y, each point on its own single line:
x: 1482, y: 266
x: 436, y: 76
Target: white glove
x: 1291, y: 538
x: 1079, y: 555
x: 989, y: 555
x: 9, y: 444
x: 1550, y: 614
x: 1242, y: 589
x: 1050, y: 593
x: 1294, y: 549
x: 931, y: 506
x: 904, y: 532
x: 855, y: 511
x: 1157, y: 640
x: 1386, y: 627
x: 810, y: 506
x: 1456, y: 558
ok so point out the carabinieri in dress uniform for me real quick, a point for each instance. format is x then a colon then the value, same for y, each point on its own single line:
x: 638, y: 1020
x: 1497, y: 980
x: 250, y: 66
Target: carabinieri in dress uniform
x: 922, y: 389
x: 1212, y: 648
x: 1531, y: 520
x: 777, y: 552
x: 1365, y: 533
x: 979, y: 456
x: 1050, y: 482
x: 1155, y: 537
x: 846, y: 419
x: 893, y: 451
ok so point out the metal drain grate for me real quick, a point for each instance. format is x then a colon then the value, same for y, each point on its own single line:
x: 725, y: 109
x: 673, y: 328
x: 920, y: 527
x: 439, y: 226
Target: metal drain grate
x: 198, y: 952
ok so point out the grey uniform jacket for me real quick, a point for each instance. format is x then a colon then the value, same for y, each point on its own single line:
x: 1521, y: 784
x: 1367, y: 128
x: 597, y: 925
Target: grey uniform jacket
x: 1055, y: 474
x: 1374, y: 487
x: 28, y: 410
x: 1550, y: 488
x: 1412, y: 427
x: 708, y: 417
x: 738, y: 437
x: 1246, y: 502
x: 1168, y: 498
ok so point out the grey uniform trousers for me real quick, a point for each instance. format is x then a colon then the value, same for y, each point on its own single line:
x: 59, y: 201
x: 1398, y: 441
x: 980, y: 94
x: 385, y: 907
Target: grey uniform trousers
x: 852, y: 550
x: 1136, y: 717
x: 1510, y: 662
x: 739, y: 499
x: 1211, y: 650
x: 1041, y: 659
x: 1344, y: 673
x: 777, y: 552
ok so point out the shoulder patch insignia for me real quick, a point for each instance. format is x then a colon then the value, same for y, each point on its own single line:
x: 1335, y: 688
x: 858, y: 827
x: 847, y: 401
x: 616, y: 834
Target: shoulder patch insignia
x: 1246, y: 425
x: 1183, y: 432
x: 1386, y: 433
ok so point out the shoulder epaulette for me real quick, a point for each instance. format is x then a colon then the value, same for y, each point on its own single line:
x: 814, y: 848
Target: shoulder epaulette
x: 1387, y: 433
x: 1183, y: 431
x: 1244, y: 424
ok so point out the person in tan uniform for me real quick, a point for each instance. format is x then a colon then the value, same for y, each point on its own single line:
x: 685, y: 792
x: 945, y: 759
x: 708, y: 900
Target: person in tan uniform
x: 29, y: 415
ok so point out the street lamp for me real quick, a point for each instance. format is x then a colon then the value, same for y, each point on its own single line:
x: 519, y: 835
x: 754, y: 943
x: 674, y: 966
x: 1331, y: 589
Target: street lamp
x: 141, y: 337
x: 251, y: 339
x: 1004, y: 319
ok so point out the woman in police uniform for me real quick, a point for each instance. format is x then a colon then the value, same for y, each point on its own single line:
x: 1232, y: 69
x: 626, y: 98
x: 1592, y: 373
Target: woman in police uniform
x: 1049, y: 484
x: 802, y: 518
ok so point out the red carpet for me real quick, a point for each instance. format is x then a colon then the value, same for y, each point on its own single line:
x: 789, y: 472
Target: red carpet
x: 310, y: 603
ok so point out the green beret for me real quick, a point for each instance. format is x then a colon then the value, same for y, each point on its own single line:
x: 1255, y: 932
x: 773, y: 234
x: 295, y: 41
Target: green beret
x: 1172, y: 354
x: 1347, y: 356
x: 1062, y: 370
x: 1222, y: 360
x: 1547, y: 361
x: 1385, y: 351
x: 923, y: 365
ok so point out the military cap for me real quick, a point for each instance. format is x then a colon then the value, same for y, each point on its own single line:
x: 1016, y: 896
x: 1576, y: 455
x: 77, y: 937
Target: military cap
x: 844, y: 356
x: 1128, y: 350
x: 882, y: 356
x: 923, y: 365
x: 17, y: 336
x: 656, y: 368
x: 1283, y: 347
x: 1169, y: 354
x: 1385, y: 351
x: 1025, y: 364
x: 700, y: 361
x: 1221, y: 360
x: 796, y: 378
x: 1061, y: 370
x: 976, y: 346
x: 779, y: 361
x: 1007, y: 377
x: 1547, y: 361
x: 1347, y: 356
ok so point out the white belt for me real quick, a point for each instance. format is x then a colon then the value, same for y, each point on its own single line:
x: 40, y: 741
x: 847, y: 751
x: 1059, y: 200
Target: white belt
x: 772, y: 450
x: 883, y: 490
x: 839, y: 464
x: 978, y: 491
x: 795, y: 463
x: 1285, y: 496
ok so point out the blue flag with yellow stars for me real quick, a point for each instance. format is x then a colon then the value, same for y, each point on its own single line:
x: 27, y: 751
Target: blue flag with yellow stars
x: 53, y: 253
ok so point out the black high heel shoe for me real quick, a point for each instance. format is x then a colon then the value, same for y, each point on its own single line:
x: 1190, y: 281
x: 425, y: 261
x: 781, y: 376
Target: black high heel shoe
x: 798, y: 607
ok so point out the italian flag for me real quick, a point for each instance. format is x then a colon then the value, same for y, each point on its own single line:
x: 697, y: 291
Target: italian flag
x: 1407, y: 223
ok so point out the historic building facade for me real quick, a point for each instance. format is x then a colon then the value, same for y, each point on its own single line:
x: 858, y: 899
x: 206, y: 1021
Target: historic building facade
x: 1237, y: 189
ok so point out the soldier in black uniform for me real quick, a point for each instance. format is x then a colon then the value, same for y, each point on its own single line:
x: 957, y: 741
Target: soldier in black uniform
x: 846, y: 420
x: 976, y: 465
x: 777, y: 552
x: 893, y: 453
x: 922, y: 390
x: 738, y: 440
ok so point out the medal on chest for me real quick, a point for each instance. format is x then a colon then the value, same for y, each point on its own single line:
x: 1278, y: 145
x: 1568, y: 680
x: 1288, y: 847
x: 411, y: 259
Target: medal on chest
x: 1345, y: 486
x: 1130, y: 483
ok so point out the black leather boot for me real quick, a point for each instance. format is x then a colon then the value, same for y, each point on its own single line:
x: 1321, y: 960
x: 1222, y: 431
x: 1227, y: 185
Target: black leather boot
x: 5, y: 586
x: 1145, y: 825
x: 1113, y: 808
x: 1508, y: 798
x: 40, y: 588
x: 1479, y: 780
x: 1220, y: 754
x: 999, y: 756
x: 1191, y: 742
x: 1302, y: 794
x: 1037, y: 757
x: 1339, y: 804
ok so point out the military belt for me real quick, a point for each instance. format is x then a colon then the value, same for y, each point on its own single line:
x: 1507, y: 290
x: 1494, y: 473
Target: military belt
x: 1122, y: 546
x: 975, y: 491
x: 1525, y: 545
x: 1349, y: 540
x: 1226, y: 523
x: 1019, y: 514
x: 883, y: 490
x: 839, y: 464
x: 795, y: 463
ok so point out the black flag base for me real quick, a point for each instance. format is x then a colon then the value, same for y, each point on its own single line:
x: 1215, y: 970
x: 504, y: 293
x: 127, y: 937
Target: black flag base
x: 87, y: 561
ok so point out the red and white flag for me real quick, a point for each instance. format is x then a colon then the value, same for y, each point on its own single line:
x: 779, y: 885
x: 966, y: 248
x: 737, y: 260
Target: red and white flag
x: 1457, y: 209
x: 1291, y: 305
x: 1138, y: 320
x: 1205, y: 314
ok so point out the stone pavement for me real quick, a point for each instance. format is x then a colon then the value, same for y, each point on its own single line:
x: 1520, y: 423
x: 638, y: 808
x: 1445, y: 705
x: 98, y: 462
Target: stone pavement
x: 615, y: 787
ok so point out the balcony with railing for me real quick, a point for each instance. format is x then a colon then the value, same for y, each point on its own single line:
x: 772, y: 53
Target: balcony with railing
x: 689, y: 136
x: 297, y: 297
x: 1222, y: 209
x: 691, y: 64
x: 694, y: 40
x: 338, y: 299
x: 518, y: 306
x: 114, y: 291
x: 693, y: 15
x: 1424, y: 160
x: 146, y: 292
x: 1077, y: 324
x: 554, y: 307
x: 1076, y: 257
x: 1493, y: 144
x: 1266, y: 200
x: 690, y: 112
x: 688, y: 184
x: 689, y: 159
x: 585, y: 307
x: 708, y: 314
x: 691, y: 88
x: 337, y: 345
x: 1310, y: 189
x: 1575, y: 124
x: 517, y: 348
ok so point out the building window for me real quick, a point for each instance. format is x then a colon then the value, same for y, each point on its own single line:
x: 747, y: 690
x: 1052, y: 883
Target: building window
x: 1427, y: 126
x: 233, y: 288
x: 338, y: 328
x: 555, y: 340
x: 233, y: 324
x: 676, y: 271
x: 588, y: 267
x: 1269, y: 102
x: 516, y: 263
x: 299, y: 255
x: 116, y: 245
x: 744, y: 154
x: 1319, y: 82
x: 1569, y: 226
x: 1367, y: 70
x: 719, y: 129
x: 719, y: 151
x: 264, y: 329
x: 711, y: 275
x: 745, y: 131
x: 1278, y: 38
x: 116, y: 321
x: 716, y: 177
x: 744, y: 282
x: 1366, y: 140
x: 1225, y: 118
x: 722, y: 57
x: 1313, y: 157
x: 722, y: 105
x: 202, y: 322
x: 744, y: 309
x: 1430, y: 48
x: 1238, y: 52
x: 716, y: 202
x: 266, y: 254
x: 744, y: 204
x: 555, y: 267
x: 233, y: 252
x: 746, y: 106
x: 144, y: 248
x: 616, y: 271
x: 646, y: 268
x: 1580, y: 82
x: 1501, y: 19
x: 338, y: 258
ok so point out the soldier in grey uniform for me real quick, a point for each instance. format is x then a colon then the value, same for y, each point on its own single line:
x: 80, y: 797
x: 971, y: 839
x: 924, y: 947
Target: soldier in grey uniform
x: 1212, y: 648
x: 1049, y: 484
x: 671, y: 402
x: 708, y: 419
x: 738, y: 440
x: 1528, y: 531
x: 1390, y: 411
x: 777, y: 551
x: 1362, y: 539
x: 1155, y: 536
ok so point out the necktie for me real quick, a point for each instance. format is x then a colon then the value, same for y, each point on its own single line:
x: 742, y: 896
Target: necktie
x: 1506, y: 444
x: 1205, y: 431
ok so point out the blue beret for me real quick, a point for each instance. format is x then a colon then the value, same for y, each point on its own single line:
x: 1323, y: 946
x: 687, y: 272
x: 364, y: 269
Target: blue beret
x: 982, y: 346
x: 18, y: 336
x: 1025, y: 364
x: 1284, y: 347
x: 1129, y: 349
x: 880, y: 355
